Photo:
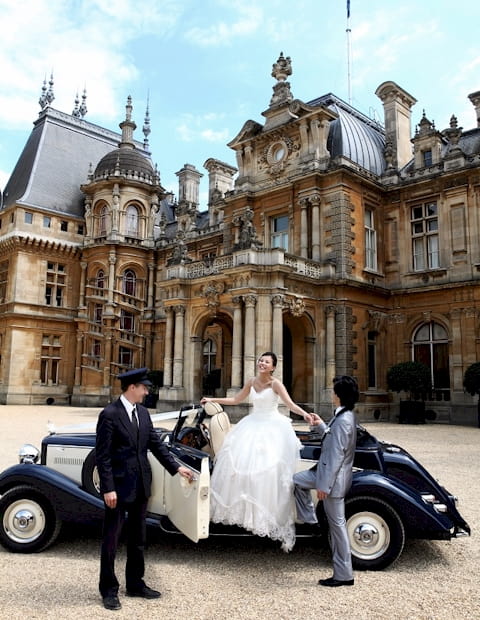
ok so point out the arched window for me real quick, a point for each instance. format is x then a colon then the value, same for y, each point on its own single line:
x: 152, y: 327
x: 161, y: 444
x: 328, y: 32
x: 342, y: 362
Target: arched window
x: 430, y: 346
x: 129, y: 282
x: 103, y: 221
x: 100, y: 279
x: 132, y: 220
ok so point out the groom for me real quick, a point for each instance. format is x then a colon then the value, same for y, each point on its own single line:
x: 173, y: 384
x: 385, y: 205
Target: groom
x: 332, y: 477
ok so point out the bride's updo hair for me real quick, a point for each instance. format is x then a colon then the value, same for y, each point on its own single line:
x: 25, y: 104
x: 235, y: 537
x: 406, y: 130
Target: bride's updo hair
x: 270, y: 354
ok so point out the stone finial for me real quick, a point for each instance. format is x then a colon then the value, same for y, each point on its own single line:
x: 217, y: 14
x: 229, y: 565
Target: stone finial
x: 76, y: 107
x: 83, y: 107
x: 47, y: 96
x: 281, y: 91
x: 146, y: 127
x: 282, y: 68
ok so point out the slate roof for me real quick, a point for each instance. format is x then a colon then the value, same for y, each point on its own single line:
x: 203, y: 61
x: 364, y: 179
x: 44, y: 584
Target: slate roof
x: 354, y: 135
x: 55, y: 162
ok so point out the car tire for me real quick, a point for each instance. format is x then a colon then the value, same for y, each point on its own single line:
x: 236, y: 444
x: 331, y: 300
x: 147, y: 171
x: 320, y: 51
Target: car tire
x: 90, y: 477
x: 376, y: 533
x: 28, y: 521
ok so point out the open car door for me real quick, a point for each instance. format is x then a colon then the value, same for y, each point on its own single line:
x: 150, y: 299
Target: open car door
x: 187, y: 504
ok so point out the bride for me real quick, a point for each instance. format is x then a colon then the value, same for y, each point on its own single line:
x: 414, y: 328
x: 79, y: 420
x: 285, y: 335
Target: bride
x: 252, y: 480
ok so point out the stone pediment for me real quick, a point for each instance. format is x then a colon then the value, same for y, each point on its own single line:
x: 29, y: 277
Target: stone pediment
x: 248, y: 131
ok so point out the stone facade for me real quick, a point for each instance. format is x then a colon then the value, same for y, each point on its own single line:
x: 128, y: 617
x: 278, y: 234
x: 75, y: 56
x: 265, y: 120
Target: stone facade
x: 342, y: 245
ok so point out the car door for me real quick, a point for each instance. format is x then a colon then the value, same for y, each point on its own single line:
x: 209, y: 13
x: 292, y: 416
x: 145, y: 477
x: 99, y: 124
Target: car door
x: 187, y: 504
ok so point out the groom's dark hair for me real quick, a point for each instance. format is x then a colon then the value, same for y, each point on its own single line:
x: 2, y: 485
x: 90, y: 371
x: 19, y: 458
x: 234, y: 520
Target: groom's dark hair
x: 346, y: 388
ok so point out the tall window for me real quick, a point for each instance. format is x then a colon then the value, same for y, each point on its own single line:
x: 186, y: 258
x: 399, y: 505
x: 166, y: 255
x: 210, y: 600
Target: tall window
x: 55, y: 286
x: 127, y: 321
x: 103, y: 221
x: 98, y: 314
x: 427, y: 158
x: 50, y: 360
x: 424, y: 224
x: 370, y: 241
x: 125, y: 357
x: 209, y: 356
x: 3, y: 280
x: 279, y: 235
x: 100, y: 279
x: 430, y: 346
x: 129, y: 282
x: 132, y: 220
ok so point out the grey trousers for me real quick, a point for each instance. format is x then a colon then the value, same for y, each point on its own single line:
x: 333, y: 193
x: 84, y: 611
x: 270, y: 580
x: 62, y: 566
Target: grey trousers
x: 334, y: 507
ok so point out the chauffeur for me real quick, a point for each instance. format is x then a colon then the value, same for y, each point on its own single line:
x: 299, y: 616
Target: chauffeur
x: 124, y: 434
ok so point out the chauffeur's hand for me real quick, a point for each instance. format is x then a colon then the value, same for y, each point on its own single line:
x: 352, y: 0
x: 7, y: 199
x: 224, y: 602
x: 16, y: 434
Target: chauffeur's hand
x: 186, y: 473
x: 110, y: 499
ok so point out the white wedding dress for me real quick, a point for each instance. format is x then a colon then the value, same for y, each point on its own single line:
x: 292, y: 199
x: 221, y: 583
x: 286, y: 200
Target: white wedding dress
x: 252, y: 481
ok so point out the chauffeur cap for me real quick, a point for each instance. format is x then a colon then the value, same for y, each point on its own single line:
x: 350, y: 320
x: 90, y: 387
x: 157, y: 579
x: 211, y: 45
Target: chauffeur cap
x: 135, y: 375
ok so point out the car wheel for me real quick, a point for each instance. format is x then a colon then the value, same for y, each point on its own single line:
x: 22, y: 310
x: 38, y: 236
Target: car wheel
x: 375, y: 531
x: 28, y: 523
x: 90, y: 477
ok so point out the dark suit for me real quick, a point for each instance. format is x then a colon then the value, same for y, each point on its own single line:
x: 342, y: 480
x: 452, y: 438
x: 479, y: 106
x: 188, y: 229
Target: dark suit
x: 123, y: 467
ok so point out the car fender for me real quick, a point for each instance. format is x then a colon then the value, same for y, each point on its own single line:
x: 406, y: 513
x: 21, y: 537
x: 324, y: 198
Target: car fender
x: 419, y: 518
x: 68, y: 499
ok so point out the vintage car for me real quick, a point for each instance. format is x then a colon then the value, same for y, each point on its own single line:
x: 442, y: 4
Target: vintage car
x: 392, y: 496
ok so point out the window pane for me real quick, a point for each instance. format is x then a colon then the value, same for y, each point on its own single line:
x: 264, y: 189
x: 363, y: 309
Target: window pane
x: 433, y: 261
x: 439, y: 332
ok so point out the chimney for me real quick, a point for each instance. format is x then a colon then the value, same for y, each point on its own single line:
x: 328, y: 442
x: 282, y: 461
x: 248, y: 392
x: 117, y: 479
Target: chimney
x: 475, y: 99
x: 397, y: 104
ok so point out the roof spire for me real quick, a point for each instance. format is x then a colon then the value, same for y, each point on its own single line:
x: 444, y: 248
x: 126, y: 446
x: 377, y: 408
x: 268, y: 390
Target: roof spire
x: 146, y: 125
x: 128, y: 126
x: 50, y: 95
x: 76, y: 110
x: 43, y: 97
x: 83, y: 107
x: 281, y: 91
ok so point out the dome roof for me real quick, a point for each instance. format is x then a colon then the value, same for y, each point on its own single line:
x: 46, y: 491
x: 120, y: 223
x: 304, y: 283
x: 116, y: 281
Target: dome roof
x: 355, y: 136
x: 127, y: 160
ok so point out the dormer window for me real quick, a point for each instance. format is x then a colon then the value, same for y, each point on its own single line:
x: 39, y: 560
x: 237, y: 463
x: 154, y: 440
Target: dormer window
x: 427, y: 158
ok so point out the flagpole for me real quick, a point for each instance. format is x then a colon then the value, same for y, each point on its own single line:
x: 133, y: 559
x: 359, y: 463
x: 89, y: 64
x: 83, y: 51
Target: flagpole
x: 348, y: 31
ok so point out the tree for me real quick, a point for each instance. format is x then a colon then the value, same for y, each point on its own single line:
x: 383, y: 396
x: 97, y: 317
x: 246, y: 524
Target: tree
x: 413, y: 378
x: 471, y: 383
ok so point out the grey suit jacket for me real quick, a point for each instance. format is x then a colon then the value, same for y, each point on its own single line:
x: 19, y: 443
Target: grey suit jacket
x: 334, y: 470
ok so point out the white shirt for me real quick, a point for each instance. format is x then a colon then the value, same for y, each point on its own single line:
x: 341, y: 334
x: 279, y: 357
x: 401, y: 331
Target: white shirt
x: 128, y: 406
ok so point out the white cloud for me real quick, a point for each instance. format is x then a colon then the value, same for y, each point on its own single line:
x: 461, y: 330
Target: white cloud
x: 248, y: 20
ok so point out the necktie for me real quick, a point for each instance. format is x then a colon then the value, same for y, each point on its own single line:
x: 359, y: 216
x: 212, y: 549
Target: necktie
x: 135, y: 420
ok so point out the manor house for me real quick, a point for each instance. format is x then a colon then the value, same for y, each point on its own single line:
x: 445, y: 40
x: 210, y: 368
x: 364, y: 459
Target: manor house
x: 342, y: 244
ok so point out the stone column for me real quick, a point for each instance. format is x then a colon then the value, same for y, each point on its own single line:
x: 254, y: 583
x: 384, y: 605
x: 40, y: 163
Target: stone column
x: 112, y: 259
x: 277, y: 332
x: 330, y: 347
x: 250, y: 337
x: 83, y: 277
x: 151, y: 276
x: 167, y: 361
x: 108, y: 358
x: 237, y: 344
x: 78, y: 360
x: 178, y: 346
x: 315, y: 202
x: 303, y: 228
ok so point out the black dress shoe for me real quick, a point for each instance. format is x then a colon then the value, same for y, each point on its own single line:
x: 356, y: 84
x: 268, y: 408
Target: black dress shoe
x: 111, y: 602
x: 331, y: 582
x: 144, y: 592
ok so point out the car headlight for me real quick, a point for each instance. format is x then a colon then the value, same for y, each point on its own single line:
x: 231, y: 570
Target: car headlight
x: 28, y: 454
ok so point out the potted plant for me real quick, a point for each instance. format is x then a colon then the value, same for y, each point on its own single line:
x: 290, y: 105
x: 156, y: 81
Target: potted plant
x: 414, y: 379
x: 471, y: 383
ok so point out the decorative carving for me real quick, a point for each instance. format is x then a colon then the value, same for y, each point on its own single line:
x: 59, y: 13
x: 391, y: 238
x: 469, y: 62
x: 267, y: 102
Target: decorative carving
x: 212, y: 292
x: 247, y: 237
x: 297, y: 306
x: 179, y: 255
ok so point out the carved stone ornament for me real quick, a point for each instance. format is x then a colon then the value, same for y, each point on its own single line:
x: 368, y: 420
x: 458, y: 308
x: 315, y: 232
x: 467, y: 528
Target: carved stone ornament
x: 212, y: 293
x: 297, y: 307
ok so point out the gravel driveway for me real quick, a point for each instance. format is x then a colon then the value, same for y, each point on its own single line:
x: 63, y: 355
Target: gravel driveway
x: 251, y: 578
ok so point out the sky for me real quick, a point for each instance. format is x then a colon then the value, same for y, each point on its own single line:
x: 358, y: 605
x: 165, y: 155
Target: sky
x: 204, y: 66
